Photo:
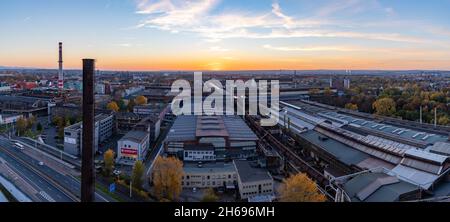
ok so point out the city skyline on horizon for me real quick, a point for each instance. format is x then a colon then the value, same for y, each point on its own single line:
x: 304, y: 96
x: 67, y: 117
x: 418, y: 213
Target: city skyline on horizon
x: 143, y: 35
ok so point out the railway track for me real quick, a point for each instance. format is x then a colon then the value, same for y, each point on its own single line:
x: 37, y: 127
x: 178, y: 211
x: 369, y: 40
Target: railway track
x: 295, y: 164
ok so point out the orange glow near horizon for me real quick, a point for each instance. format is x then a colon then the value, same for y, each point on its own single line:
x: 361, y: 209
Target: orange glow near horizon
x: 247, y: 64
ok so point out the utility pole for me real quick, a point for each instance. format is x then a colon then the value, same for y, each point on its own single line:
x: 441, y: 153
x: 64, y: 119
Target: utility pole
x: 420, y: 114
x: 131, y: 191
x: 435, y: 116
x: 87, y: 152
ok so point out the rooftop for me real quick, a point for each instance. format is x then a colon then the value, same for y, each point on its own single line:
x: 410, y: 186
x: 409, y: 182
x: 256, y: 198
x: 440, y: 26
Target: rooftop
x: 248, y: 173
x: 78, y: 125
x: 189, y: 128
x: 199, y: 147
x: 377, y: 187
x: 136, y: 136
x: 218, y: 167
x: 342, y: 152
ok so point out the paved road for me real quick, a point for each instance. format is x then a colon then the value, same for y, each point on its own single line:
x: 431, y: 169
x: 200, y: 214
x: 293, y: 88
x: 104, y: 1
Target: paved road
x: 67, y: 182
x: 53, y: 151
x: 37, y: 181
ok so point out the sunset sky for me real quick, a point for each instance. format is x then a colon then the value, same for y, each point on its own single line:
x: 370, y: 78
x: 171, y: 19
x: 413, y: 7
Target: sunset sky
x: 227, y: 34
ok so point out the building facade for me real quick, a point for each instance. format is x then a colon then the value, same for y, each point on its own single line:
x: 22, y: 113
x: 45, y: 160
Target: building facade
x: 103, y: 129
x: 133, y: 147
x: 253, y: 181
x: 210, y: 175
x: 199, y: 153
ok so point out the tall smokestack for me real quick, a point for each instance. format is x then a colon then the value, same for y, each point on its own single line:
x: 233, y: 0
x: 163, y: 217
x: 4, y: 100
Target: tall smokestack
x: 87, y: 153
x: 60, y: 70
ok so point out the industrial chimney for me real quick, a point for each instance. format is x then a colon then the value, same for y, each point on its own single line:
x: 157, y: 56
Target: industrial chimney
x: 60, y: 70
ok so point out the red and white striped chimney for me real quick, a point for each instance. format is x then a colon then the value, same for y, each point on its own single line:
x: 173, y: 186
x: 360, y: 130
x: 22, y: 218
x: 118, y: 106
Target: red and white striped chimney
x: 60, y: 70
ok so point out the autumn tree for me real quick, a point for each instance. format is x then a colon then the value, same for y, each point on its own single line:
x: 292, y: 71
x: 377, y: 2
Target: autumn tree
x: 31, y: 121
x: 299, y: 188
x: 384, y: 106
x: 141, y: 100
x: 167, y: 176
x: 210, y: 196
x: 58, y: 121
x: 314, y: 91
x: 137, y: 174
x: 443, y: 120
x: 113, y: 106
x: 22, y: 125
x: 351, y: 106
x: 108, y: 158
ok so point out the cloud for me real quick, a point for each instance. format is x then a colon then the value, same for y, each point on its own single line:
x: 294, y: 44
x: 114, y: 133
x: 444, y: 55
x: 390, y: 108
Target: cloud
x: 196, y: 16
x: 218, y: 49
x: 310, y: 49
x: 124, y: 44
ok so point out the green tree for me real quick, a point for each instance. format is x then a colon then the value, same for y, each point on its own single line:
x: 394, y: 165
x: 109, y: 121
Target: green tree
x: 137, y: 174
x: 39, y: 127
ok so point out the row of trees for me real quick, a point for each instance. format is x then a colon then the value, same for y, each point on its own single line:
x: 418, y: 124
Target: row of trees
x: 407, y: 103
x: 119, y: 105
x: 63, y: 121
x: 25, y: 126
x: 404, y: 101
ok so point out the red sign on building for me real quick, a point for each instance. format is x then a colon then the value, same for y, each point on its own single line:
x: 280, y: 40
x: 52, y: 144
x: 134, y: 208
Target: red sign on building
x: 126, y: 151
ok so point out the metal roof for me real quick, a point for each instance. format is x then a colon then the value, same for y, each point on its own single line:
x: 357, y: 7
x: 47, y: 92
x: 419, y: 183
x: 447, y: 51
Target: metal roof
x: 368, y: 187
x: 183, y: 129
x: 439, y: 159
x: 418, y: 177
x: 441, y: 148
x: 340, y: 151
x: 188, y: 128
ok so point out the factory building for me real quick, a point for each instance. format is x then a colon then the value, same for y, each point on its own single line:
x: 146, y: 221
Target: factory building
x: 25, y: 105
x: 343, y: 143
x: 229, y: 135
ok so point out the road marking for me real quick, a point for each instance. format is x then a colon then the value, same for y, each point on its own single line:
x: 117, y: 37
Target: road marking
x: 47, y: 197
